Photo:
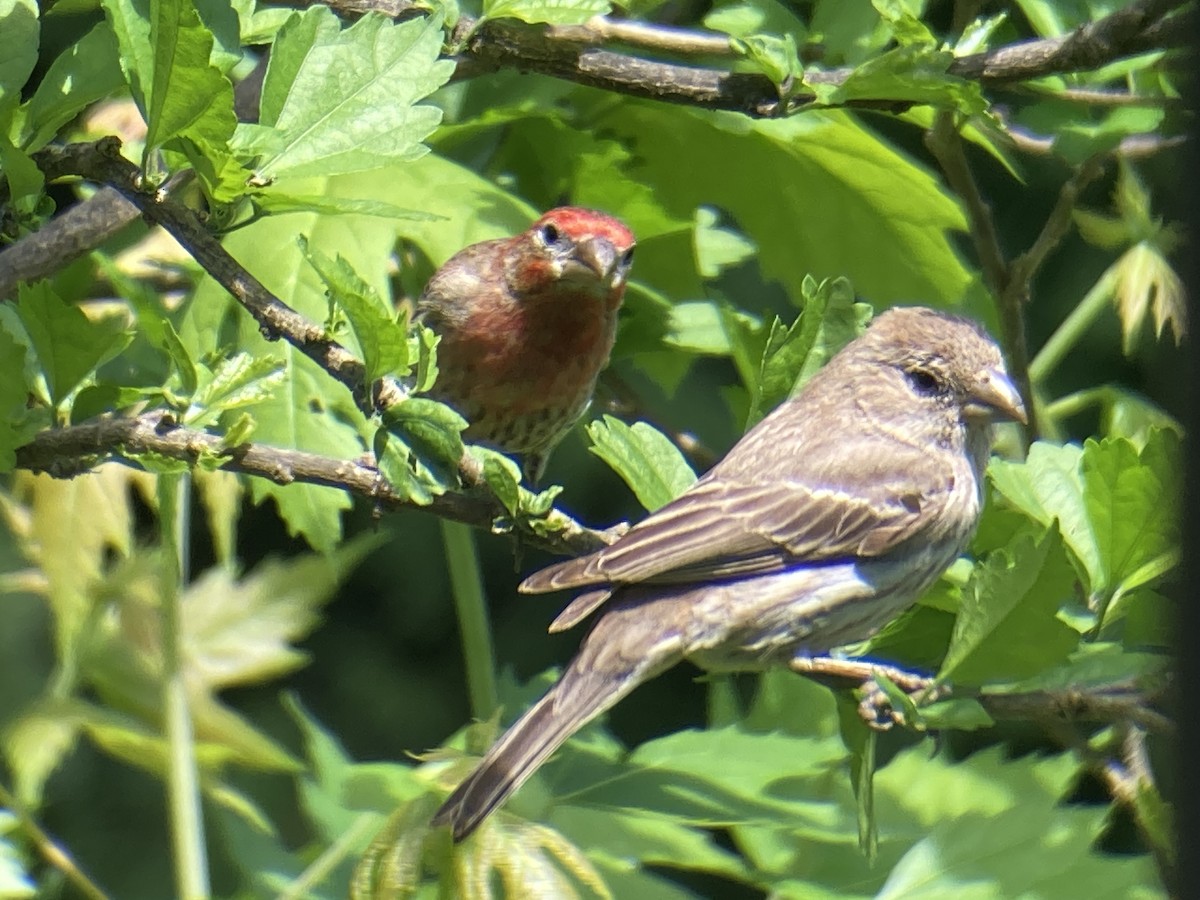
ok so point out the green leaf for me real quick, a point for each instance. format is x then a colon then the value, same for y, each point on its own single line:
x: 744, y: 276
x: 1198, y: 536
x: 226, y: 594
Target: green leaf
x: 1092, y: 668
x: 36, y: 743
x: 422, y: 345
x: 130, y: 21
x: 962, y: 715
x: 779, y: 780
x: 73, y: 526
x: 275, y: 201
x: 145, y: 749
x: 648, y: 840
x: 828, y: 321
x: 901, y: 18
x: 241, y: 630
x: 932, y: 868
x: 85, y: 72
x: 553, y: 12
x: 776, y: 57
x: 718, y: 248
x: 842, y: 203
x: 239, y: 381
x: 181, y: 360
x: 1155, y: 817
x: 419, y: 447
x: 502, y: 475
x: 913, y: 73
x: 346, y: 101
x: 748, y: 17
x: 13, y: 395
x: 699, y: 327
x: 1047, y: 486
x: 1078, y: 139
x: 1144, y: 284
x: 1116, y: 506
x: 1133, y: 504
x: 1008, y: 627
x: 851, y: 32
x: 1106, y: 232
x: 25, y: 182
x: 300, y: 33
x: 189, y: 97
x: 861, y: 742
x: 645, y: 459
x: 68, y: 346
x: 19, y: 36
x: 384, y: 341
x: 977, y: 36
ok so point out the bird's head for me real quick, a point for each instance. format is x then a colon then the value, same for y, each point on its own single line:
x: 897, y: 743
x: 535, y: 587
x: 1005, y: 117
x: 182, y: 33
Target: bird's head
x: 948, y: 361
x: 573, y: 249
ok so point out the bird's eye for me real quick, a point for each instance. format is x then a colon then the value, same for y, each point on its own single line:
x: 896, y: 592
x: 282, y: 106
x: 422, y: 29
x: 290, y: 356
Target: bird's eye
x: 923, y: 381
x: 549, y: 234
x: 627, y: 259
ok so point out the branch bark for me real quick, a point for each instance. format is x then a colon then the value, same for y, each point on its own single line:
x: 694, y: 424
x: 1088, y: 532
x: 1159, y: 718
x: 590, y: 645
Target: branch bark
x: 1112, y: 703
x: 66, y: 452
x: 574, y: 53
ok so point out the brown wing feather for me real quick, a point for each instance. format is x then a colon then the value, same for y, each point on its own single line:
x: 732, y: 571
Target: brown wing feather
x: 726, y: 529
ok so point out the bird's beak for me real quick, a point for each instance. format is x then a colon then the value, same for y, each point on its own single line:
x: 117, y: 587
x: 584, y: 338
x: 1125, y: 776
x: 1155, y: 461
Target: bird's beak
x: 996, y: 397
x: 597, y: 256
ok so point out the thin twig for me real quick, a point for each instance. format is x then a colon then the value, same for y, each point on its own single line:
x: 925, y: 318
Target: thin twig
x: 184, y: 809
x: 66, y: 452
x: 470, y: 605
x: 1055, y: 228
x: 568, y: 52
x: 946, y: 145
x: 1009, y: 283
x: 1094, y: 96
x: 102, y: 162
x: 64, y: 238
x: 1137, y: 28
x: 1135, y: 146
x: 50, y: 850
x: 1110, y: 703
x: 645, y: 35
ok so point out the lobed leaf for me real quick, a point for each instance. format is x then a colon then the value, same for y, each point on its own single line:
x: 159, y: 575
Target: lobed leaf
x: 1008, y: 625
x: 644, y: 457
x: 346, y: 100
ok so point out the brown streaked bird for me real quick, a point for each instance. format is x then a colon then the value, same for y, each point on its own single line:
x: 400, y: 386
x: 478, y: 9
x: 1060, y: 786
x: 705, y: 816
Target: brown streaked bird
x: 526, y: 325
x: 825, y: 521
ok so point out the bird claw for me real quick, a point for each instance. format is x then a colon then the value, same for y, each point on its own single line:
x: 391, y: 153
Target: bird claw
x: 876, y: 706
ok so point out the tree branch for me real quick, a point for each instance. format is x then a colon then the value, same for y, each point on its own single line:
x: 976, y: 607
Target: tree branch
x: 574, y: 53
x: 1137, y: 28
x: 66, y: 452
x: 1009, y: 283
x: 65, y: 238
x: 1112, y: 703
x: 102, y: 163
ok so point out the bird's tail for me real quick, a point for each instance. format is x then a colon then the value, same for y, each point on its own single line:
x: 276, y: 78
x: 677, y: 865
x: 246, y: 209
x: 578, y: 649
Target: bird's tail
x: 575, y: 700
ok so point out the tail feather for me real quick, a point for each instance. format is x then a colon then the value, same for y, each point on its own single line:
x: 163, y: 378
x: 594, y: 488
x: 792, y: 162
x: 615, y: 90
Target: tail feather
x: 574, y: 701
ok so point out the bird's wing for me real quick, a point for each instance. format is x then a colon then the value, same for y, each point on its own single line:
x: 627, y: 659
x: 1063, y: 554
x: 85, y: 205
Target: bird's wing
x: 723, y: 529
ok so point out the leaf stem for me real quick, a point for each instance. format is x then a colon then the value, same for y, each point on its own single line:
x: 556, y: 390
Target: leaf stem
x: 321, y: 867
x: 51, y: 851
x: 1077, y: 402
x: 466, y: 582
x: 1073, y: 327
x: 183, y: 782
